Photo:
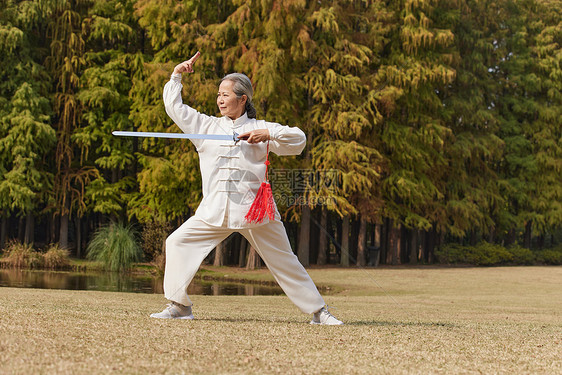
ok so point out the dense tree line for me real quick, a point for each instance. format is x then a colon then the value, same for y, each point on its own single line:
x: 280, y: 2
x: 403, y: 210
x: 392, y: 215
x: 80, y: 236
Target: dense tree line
x: 428, y: 121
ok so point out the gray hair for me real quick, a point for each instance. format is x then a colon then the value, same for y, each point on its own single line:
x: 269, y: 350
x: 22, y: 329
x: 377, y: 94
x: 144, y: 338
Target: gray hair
x: 242, y: 86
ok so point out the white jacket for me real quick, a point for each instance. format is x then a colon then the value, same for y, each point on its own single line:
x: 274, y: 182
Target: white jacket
x: 231, y: 173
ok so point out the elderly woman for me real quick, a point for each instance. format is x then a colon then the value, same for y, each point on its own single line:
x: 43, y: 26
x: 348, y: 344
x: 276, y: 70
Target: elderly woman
x: 231, y: 175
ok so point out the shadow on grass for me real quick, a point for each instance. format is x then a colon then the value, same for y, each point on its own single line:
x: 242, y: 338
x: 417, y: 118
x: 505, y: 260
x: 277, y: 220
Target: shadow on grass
x: 373, y: 323
x: 401, y: 324
x: 246, y: 320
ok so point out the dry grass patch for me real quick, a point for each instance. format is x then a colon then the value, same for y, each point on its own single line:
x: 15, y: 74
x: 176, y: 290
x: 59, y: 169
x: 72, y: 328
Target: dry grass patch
x: 446, y: 321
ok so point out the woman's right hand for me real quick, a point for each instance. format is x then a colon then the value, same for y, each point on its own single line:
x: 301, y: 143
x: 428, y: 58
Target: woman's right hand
x: 187, y: 66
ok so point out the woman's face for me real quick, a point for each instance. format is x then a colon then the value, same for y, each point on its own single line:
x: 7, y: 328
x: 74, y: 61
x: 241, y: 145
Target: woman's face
x: 228, y: 103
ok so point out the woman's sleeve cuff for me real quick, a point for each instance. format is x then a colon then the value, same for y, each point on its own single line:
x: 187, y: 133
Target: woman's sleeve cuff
x: 272, y: 133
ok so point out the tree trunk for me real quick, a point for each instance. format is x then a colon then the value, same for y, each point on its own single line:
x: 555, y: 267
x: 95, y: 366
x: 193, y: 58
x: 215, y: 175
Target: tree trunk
x: 344, y: 259
x: 473, y: 238
x: 338, y: 237
x: 377, y: 244
x: 395, y: 245
x: 389, y: 240
x: 377, y: 235
x: 21, y: 229
x: 51, y: 237
x: 404, y: 250
x: 323, y: 240
x: 528, y: 235
x: 242, y: 253
x: 219, y: 254
x: 233, y: 249
x: 304, y: 237
x: 29, y: 228
x: 440, y: 244
x: 431, y: 242
x: 362, y: 243
x: 315, y: 231
x: 492, y: 234
x: 78, y: 224
x: 63, y: 233
x: 414, y: 246
x: 253, y: 260
x: 540, y: 241
x: 423, y: 245
x: 3, y: 232
x: 355, y: 226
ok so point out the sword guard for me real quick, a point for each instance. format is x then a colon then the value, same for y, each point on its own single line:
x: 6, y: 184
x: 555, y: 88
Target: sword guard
x: 236, y: 138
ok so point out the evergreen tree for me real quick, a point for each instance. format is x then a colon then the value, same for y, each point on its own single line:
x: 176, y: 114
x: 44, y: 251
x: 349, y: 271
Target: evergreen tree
x: 29, y: 138
x: 516, y: 106
x: 340, y: 52
x: 169, y: 184
x: 65, y: 63
x: 111, y: 63
x: 472, y: 194
x: 545, y: 79
x: 25, y: 139
x: 416, y: 68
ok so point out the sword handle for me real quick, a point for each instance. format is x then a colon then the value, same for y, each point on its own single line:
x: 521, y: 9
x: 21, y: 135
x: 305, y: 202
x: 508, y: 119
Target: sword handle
x: 237, y: 137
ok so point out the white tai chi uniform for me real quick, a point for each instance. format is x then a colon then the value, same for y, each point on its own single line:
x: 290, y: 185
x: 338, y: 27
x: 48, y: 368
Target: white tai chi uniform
x: 232, y: 174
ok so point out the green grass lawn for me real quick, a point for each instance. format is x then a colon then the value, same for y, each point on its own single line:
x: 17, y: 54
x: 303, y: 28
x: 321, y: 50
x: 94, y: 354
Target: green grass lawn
x: 398, y: 321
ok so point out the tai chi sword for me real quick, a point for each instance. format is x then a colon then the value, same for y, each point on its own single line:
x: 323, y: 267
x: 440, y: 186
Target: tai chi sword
x: 219, y: 137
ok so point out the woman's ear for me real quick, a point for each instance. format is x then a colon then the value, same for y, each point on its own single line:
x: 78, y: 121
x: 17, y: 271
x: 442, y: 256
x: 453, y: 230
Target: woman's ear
x: 244, y: 99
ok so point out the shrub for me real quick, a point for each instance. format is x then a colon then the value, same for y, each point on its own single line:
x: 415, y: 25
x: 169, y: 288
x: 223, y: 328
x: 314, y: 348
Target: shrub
x: 488, y: 254
x: 522, y: 255
x: 116, y: 246
x: 550, y: 256
x: 18, y: 255
x: 483, y: 254
x: 153, y: 243
x: 56, y: 258
x: 160, y: 263
x: 153, y: 236
x: 451, y: 253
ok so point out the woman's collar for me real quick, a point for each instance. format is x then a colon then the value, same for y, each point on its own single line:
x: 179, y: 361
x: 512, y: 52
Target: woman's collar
x: 239, y: 121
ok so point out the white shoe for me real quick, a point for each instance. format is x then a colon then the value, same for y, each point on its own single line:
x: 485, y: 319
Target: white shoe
x: 174, y: 311
x: 323, y: 317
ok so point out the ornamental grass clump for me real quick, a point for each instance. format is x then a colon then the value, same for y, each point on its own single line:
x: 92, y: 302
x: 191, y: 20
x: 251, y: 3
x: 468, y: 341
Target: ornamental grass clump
x: 116, y: 246
x: 56, y: 258
x: 18, y: 255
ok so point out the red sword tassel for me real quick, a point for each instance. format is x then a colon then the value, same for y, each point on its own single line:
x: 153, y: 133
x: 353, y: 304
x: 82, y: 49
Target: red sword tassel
x: 263, y: 204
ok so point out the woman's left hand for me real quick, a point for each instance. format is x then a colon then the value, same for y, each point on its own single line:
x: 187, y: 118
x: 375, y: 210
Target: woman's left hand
x: 255, y: 136
x: 187, y: 66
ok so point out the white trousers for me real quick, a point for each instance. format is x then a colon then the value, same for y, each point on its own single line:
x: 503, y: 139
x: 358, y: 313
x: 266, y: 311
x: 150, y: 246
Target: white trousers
x: 189, y: 245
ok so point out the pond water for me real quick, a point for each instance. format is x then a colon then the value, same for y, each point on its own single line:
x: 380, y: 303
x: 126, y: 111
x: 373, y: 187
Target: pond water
x: 115, y: 282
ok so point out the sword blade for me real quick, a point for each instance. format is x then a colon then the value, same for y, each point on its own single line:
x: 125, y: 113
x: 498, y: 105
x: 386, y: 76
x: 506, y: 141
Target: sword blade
x: 218, y: 137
